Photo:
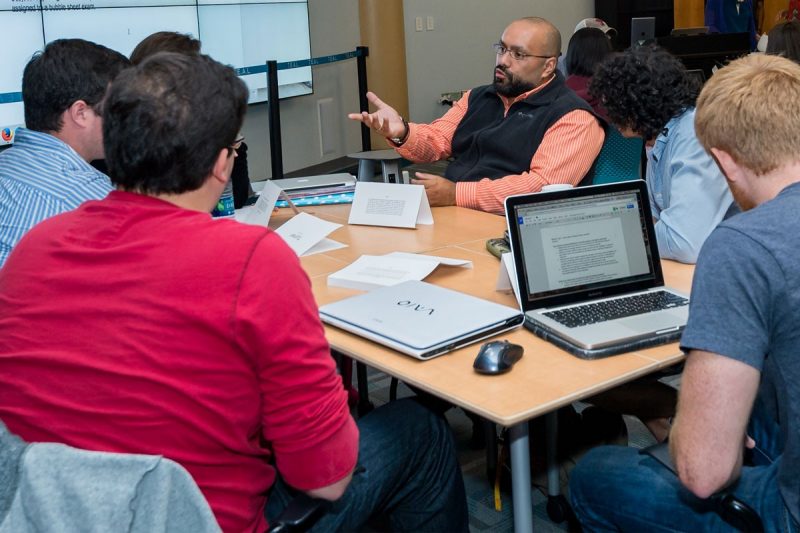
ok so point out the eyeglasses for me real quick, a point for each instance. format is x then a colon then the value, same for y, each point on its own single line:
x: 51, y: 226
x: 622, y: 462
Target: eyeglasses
x: 500, y: 49
x: 237, y: 143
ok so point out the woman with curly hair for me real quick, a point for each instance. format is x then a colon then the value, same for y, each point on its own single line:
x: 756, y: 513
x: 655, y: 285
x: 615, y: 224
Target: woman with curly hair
x: 647, y: 93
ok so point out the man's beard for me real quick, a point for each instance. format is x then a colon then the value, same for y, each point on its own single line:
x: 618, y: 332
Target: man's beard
x: 511, y: 86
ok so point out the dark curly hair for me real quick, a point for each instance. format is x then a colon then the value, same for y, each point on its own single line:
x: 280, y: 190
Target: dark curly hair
x: 643, y: 88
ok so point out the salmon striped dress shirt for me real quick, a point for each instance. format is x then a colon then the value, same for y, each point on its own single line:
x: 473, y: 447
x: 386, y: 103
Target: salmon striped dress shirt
x: 565, y: 155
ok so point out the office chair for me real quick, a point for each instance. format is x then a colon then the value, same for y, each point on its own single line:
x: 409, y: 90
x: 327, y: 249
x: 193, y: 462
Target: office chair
x: 731, y: 509
x: 619, y: 158
x: 150, y: 493
x: 54, y: 487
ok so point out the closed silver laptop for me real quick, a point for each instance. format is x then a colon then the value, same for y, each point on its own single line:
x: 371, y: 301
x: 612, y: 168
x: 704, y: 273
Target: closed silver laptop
x: 323, y: 181
x: 420, y: 319
x: 588, y: 268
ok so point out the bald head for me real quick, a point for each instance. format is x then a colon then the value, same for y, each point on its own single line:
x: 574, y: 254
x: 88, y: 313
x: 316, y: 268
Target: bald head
x: 547, y: 35
x: 527, y: 55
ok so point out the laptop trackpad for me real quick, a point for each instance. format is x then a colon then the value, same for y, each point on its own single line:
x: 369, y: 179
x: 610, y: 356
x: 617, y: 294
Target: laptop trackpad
x: 652, y: 321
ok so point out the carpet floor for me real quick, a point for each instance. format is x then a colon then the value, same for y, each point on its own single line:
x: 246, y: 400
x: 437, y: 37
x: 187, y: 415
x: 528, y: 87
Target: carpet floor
x: 480, y: 494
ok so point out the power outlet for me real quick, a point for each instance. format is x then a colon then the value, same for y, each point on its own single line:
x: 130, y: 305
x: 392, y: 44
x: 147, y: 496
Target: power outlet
x: 430, y: 23
x: 418, y: 22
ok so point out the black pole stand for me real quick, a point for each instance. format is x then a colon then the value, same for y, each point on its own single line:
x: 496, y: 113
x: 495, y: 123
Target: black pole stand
x: 361, y: 62
x: 275, y: 146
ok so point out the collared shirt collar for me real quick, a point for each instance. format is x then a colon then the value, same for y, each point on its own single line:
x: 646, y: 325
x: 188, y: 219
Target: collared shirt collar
x: 661, y: 140
x: 30, y: 139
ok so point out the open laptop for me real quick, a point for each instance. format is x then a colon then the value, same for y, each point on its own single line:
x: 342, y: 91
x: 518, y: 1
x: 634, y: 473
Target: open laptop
x: 643, y: 31
x: 420, y: 319
x: 589, y: 272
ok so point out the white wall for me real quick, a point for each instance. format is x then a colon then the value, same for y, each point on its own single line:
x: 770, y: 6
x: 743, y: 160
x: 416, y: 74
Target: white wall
x: 457, y: 54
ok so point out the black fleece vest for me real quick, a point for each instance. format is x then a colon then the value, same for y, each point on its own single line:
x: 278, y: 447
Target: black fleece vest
x: 488, y: 144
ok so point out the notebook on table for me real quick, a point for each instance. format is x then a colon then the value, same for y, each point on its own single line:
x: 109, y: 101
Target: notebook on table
x: 589, y: 272
x: 420, y: 319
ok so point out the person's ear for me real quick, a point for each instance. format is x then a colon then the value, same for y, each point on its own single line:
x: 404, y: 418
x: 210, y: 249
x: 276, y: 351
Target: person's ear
x: 550, y: 65
x: 220, y: 171
x: 729, y: 167
x: 79, y: 113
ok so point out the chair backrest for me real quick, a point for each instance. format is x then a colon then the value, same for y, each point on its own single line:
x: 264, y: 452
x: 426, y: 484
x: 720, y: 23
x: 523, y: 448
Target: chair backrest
x: 619, y: 159
x: 57, y: 487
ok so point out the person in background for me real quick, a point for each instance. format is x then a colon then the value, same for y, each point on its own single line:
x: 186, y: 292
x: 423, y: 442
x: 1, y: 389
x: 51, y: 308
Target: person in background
x: 587, y: 48
x: 792, y: 11
x: 47, y: 170
x: 647, y: 93
x: 164, y: 41
x: 524, y: 131
x: 784, y: 40
x: 600, y: 24
x: 736, y: 429
x: 182, y: 43
x: 731, y: 16
x: 159, y: 330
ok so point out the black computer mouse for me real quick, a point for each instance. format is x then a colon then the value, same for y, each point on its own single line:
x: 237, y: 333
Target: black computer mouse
x: 497, y: 357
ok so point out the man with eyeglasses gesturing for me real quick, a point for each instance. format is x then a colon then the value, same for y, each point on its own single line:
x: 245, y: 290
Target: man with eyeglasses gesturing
x: 516, y: 135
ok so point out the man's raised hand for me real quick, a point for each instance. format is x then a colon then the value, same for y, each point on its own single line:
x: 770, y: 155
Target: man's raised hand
x: 385, y: 120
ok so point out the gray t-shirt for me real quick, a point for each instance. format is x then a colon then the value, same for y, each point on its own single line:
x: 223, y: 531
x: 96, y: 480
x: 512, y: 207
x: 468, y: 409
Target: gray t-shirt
x: 746, y: 305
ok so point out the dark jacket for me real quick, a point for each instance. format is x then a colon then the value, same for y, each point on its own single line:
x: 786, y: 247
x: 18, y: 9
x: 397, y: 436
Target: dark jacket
x: 488, y: 144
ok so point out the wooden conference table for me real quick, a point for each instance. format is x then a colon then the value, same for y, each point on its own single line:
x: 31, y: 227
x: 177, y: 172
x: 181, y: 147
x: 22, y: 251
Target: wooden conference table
x: 545, y: 379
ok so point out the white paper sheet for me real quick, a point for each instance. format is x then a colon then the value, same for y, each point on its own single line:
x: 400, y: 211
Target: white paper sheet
x: 390, y: 204
x: 373, y: 271
x: 259, y: 213
x: 302, y: 232
x: 325, y: 245
x: 507, y: 277
x: 448, y: 261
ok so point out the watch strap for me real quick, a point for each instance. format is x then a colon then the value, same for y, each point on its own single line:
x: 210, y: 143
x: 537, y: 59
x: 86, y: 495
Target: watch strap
x: 399, y: 141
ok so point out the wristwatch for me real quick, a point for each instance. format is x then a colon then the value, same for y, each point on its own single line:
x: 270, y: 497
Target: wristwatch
x: 400, y: 140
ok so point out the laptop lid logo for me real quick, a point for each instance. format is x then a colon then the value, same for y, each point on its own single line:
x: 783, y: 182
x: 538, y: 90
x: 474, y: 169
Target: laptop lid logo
x: 408, y: 304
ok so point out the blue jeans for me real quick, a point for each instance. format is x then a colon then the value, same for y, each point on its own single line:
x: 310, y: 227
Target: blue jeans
x: 407, y: 474
x: 618, y: 489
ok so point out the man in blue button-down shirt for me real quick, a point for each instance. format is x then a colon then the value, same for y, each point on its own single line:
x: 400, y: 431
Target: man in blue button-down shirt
x: 47, y: 170
x: 648, y: 94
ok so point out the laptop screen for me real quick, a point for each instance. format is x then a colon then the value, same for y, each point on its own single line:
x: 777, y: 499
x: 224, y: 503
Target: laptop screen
x: 585, y: 243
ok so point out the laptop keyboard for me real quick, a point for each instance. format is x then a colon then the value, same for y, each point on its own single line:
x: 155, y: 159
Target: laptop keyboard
x: 638, y: 304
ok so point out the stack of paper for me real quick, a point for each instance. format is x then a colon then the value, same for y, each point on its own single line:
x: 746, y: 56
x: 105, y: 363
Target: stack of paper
x: 372, y: 271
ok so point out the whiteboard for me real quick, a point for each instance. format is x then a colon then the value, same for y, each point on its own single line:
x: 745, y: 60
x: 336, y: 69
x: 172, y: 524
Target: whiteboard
x: 240, y: 33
